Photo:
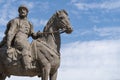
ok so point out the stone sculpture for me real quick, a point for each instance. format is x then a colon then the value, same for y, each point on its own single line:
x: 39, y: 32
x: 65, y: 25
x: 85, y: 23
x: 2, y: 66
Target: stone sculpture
x: 40, y: 58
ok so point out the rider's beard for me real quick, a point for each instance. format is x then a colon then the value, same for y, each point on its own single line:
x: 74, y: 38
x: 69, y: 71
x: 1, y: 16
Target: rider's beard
x: 22, y: 15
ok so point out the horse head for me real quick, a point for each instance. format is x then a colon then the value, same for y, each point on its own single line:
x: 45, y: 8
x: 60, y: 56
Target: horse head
x: 62, y: 21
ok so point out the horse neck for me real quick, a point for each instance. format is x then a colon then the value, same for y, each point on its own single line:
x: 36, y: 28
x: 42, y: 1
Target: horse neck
x: 53, y: 39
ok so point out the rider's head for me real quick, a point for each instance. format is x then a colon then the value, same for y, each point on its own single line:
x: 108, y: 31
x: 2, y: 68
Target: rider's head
x: 23, y: 7
x: 23, y: 11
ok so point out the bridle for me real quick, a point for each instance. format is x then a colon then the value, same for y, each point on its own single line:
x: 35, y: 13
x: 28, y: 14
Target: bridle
x: 54, y: 32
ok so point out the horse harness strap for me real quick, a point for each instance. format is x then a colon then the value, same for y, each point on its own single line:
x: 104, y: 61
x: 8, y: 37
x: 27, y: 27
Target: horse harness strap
x: 59, y: 31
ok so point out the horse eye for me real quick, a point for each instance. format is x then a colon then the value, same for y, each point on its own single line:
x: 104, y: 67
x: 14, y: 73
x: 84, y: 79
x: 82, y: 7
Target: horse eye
x: 61, y: 17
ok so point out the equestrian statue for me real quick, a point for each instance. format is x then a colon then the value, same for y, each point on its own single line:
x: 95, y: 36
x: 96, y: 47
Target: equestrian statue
x: 39, y: 58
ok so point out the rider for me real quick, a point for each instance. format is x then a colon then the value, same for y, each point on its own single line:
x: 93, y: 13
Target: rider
x: 19, y: 31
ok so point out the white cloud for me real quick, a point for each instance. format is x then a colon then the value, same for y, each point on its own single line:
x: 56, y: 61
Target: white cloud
x: 104, y: 5
x: 43, y: 22
x: 108, y: 31
x: 43, y: 6
x: 72, y: 1
x: 29, y: 4
x: 83, y: 6
x: 7, y: 12
x: 3, y: 22
x: 92, y: 60
x: 111, y: 32
x: 111, y: 4
x: 1, y: 35
x: 37, y: 22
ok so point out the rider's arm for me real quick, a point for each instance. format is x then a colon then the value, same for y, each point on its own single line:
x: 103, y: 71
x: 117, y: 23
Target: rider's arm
x: 11, y: 32
x: 33, y: 34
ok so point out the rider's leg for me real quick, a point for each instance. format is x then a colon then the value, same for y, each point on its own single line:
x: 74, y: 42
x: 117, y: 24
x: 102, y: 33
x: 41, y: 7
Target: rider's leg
x: 27, y: 59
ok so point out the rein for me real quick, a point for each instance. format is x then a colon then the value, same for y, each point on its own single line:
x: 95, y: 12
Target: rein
x: 58, y: 31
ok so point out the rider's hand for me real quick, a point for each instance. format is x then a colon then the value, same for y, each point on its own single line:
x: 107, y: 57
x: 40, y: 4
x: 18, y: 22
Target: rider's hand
x: 8, y: 47
x: 39, y: 33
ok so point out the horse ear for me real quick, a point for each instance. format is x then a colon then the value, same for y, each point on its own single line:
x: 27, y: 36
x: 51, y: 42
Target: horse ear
x: 65, y: 12
x: 57, y: 13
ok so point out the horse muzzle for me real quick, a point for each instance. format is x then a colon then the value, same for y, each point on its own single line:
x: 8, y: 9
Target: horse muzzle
x: 69, y: 30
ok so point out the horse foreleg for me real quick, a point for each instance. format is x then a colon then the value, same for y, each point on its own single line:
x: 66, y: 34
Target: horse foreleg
x: 53, y: 76
x: 2, y: 77
x: 46, y: 72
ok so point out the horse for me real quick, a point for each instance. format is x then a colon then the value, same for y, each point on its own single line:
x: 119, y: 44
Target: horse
x: 45, y: 51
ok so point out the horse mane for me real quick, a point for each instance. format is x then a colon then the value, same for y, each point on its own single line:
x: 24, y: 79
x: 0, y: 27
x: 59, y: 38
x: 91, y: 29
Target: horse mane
x: 52, y: 18
x: 48, y: 23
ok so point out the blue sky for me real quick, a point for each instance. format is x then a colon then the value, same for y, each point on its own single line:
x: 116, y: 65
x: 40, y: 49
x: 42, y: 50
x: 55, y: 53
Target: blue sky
x: 92, y: 51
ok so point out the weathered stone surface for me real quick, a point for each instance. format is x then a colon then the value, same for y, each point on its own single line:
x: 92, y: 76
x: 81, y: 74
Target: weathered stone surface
x: 41, y: 57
